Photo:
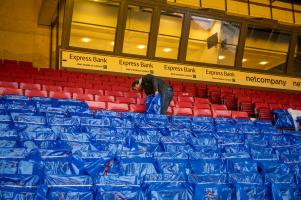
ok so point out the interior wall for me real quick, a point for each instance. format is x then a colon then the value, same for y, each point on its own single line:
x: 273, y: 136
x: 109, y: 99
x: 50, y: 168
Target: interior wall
x: 21, y: 38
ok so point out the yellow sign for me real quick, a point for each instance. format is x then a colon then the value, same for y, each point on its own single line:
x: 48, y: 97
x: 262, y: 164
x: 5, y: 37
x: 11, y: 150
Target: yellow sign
x: 108, y: 63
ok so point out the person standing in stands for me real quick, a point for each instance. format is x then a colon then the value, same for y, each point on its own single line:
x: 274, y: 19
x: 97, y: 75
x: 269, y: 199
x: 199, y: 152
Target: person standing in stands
x: 153, y: 85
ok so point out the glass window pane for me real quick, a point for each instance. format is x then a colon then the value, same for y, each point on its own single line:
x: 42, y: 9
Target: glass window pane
x: 169, y: 35
x: 94, y: 24
x: 282, y: 4
x: 283, y: 15
x: 297, y: 57
x: 216, y: 4
x: 260, y: 11
x: 297, y: 8
x: 266, y: 49
x: 137, y: 30
x: 212, y: 41
x: 282, y: 11
x: 237, y: 7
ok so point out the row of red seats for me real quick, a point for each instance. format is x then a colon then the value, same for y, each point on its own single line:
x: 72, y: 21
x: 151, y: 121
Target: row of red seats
x: 101, y: 85
x: 124, y: 104
x: 24, y: 69
x: 123, y: 107
x: 104, y: 96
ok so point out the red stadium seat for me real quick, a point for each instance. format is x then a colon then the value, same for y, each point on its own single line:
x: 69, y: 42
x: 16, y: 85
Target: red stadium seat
x: 185, y: 99
x: 172, y: 103
x: 104, y: 98
x: 202, y: 106
x: 218, y: 107
x: 222, y: 113
x: 169, y: 110
x: 73, y: 90
x: 202, y: 112
x: 137, y: 108
x: 102, y: 87
x: 125, y: 100
x: 275, y: 106
x: 201, y: 100
x: 140, y: 100
x: 53, y: 88
x: 239, y: 115
x: 260, y: 106
x: 132, y: 94
x: 94, y: 105
x: 114, y: 93
x: 83, y: 97
x: 35, y: 93
x: 257, y: 100
x: 60, y: 95
x: 120, y: 107
x: 182, y: 111
x: 30, y: 86
x: 184, y: 104
x: 4, y: 91
x: 286, y: 106
x: 7, y: 84
x: 177, y: 88
x: 94, y: 92
x: 120, y: 88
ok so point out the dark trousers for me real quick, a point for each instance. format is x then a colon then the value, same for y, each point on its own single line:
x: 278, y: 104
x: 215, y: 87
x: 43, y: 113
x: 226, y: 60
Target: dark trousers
x: 166, y: 97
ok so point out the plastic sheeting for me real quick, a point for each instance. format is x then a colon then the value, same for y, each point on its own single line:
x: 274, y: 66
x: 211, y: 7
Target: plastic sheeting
x: 69, y: 187
x: 136, y: 164
x: 286, y: 191
x: 153, y: 104
x: 118, y: 187
x: 241, y: 166
x: 166, y: 186
x: 213, y: 186
x: 296, y: 115
x: 283, y: 119
x: 59, y: 150
x: 172, y: 163
x: 208, y: 166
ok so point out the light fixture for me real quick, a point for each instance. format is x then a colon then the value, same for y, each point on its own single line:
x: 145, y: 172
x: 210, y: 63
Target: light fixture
x: 221, y: 57
x: 167, y: 49
x: 141, y: 46
x: 112, y: 43
x: 85, y: 39
x: 263, y: 62
x: 244, y: 60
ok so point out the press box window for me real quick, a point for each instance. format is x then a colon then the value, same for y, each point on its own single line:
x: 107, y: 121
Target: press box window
x: 212, y: 41
x: 137, y: 30
x: 94, y: 24
x: 266, y: 49
x: 169, y: 35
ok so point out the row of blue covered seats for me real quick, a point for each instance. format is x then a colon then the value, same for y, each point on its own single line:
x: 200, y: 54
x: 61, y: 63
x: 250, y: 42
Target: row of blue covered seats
x: 62, y: 131
x: 95, y: 163
x: 63, y: 174
x: 165, y: 186
x: 108, y: 155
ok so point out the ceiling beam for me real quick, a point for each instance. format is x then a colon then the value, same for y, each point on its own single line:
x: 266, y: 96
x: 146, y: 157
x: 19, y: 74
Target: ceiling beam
x: 47, y: 11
